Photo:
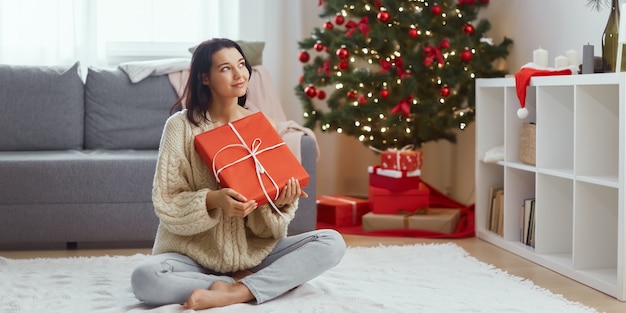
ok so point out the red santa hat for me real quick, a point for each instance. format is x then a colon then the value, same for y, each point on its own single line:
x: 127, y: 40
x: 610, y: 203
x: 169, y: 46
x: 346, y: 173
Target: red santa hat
x: 522, y: 80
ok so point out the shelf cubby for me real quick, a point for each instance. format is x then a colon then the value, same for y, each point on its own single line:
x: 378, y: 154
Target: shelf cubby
x: 578, y: 182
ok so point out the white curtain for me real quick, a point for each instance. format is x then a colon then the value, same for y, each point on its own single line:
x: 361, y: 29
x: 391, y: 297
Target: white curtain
x: 100, y: 32
x: 107, y: 32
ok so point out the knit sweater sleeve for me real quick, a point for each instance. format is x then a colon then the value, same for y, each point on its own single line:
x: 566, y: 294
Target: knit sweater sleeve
x: 180, y: 206
x: 266, y: 223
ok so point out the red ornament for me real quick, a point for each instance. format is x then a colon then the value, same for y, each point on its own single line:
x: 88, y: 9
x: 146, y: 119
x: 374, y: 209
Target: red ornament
x: 466, y: 56
x: 351, y: 94
x: 318, y: 46
x: 436, y: 9
x: 301, y: 79
x: 304, y: 57
x: 321, y: 95
x: 328, y: 25
x: 413, y: 33
x: 310, y: 91
x: 339, y: 19
x: 470, y: 2
x: 343, y: 53
x: 384, y: 93
x: 383, y: 16
x: 484, y: 1
x: 462, y: 2
x: 362, y: 100
x: 445, y: 91
x: 468, y: 29
x: 343, y: 65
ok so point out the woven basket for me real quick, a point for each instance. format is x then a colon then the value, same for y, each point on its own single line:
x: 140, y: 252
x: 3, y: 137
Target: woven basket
x: 527, y: 143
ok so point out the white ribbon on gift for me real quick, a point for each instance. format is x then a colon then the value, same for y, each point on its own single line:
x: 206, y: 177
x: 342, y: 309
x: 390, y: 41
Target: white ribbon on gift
x: 393, y: 173
x: 253, y: 151
x: 353, y: 203
x: 405, y: 148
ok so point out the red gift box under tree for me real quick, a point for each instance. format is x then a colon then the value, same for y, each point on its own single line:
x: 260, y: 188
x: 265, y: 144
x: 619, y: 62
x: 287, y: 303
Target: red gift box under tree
x: 392, y: 179
x: 385, y: 201
x: 404, y: 159
x: 341, y: 210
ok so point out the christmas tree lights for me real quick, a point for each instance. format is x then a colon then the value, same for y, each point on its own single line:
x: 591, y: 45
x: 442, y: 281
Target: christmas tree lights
x: 394, y: 73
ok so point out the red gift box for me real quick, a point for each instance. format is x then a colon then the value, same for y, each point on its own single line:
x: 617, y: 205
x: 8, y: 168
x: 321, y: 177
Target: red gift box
x: 392, y: 179
x: 401, y: 160
x: 249, y: 156
x: 341, y: 210
x: 385, y: 201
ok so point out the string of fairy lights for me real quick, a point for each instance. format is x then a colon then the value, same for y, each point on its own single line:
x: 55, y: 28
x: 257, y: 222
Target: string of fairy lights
x: 365, y: 58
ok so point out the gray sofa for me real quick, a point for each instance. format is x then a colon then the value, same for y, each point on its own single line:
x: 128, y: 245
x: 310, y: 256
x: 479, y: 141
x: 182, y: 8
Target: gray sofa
x: 77, y: 157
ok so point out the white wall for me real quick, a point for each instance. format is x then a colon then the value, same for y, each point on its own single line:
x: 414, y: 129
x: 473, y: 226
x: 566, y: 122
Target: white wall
x: 554, y: 25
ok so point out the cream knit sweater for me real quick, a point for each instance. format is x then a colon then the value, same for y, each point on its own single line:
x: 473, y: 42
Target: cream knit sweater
x: 214, y: 240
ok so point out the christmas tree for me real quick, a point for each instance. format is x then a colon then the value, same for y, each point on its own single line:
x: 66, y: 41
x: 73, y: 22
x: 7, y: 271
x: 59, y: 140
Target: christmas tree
x: 394, y: 73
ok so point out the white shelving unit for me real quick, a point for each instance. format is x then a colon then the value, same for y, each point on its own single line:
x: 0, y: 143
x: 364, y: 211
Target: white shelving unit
x: 578, y: 180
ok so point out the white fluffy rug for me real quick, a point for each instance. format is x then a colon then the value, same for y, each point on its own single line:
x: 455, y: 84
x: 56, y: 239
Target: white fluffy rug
x: 418, y: 278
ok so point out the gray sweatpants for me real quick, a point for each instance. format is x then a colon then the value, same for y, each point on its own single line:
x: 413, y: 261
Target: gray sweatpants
x: 171, y: 277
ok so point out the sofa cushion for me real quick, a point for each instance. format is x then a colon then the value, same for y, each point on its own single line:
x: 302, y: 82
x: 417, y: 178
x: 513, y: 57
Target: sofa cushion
x: 123, y: 115
x: 42, y: 107
x: 76, y: 176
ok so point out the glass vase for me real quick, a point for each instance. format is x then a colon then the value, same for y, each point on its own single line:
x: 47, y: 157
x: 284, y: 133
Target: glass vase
x: 610, y: 41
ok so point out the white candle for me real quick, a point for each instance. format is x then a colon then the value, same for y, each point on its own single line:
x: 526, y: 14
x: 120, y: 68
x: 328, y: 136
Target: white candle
x: 560, y: 62
x: 572, y: 57
x: 540, y: 57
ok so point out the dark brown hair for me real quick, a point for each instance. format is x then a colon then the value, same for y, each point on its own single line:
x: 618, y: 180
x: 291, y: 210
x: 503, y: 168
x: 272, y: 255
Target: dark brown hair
x: 197, y: 96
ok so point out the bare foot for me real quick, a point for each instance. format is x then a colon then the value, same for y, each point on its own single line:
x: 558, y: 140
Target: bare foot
x: 218, y: 295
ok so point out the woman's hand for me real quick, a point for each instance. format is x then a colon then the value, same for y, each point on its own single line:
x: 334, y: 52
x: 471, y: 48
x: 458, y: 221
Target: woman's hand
x: 290, y: 193
x: 231, y: 202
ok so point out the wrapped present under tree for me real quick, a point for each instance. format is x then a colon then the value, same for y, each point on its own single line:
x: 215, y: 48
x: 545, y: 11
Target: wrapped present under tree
x: 341, y: 210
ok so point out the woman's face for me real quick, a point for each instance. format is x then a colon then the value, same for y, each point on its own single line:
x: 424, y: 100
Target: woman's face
x: 229, y: 76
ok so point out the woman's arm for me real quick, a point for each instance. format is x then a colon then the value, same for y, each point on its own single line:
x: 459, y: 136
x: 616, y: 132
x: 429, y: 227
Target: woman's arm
x: 181, y: 208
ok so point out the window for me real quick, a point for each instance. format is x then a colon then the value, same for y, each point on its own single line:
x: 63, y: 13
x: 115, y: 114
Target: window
x: 153, y: 29
x: 107, y: 32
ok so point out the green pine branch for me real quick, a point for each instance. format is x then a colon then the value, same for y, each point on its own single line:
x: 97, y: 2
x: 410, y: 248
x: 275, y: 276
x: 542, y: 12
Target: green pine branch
x: 388, y: 57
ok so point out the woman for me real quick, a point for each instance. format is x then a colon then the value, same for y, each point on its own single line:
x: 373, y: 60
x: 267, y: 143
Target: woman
x: 213, y: 246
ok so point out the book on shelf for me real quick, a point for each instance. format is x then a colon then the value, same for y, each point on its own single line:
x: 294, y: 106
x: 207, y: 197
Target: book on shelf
x: 495, y: 214
x: 527, y: 222
x: 499, y: 227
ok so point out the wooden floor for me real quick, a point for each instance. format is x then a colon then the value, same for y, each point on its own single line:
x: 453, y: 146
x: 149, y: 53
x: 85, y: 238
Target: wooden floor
x: 478, y: 248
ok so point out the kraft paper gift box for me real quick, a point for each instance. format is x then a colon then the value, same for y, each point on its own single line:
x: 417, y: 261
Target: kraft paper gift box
x: 249, y: 156
x: 392, y: 179
x: 438, y: 220
x: 341, y: 210
x: 401, y: 160
x: 385, y: 201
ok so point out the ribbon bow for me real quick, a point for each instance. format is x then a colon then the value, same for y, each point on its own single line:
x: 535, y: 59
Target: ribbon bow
x: 407, y: 213
x: 403, y: 106
x: 253, y: 151
x: 433, y: 52
x: 352, y: 26
x: 325, y: 68
x: 399, y: 64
